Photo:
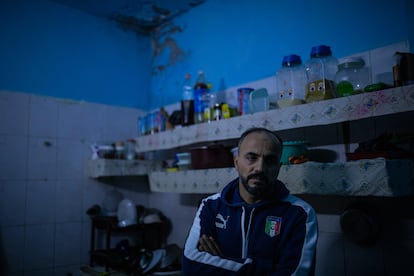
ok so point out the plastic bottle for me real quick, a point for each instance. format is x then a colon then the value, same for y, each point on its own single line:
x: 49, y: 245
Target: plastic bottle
x: 352, y: 77
x: 187, y: 102
x: 209, y: 100
x: 291, y: 81
x: 200, y: 89
x: 321, y: 69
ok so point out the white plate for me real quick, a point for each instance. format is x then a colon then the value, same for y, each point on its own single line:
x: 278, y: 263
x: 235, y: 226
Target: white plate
x: 127, y: 213
x: 157, y: 255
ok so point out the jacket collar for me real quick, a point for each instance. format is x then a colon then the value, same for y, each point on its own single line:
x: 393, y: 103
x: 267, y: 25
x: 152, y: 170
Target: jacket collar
x: 230, y: 194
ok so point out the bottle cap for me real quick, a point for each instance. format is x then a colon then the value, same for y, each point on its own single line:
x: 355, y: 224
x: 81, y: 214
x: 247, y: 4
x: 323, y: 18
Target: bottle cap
x: 321, y: 51
x: 352, y: 62
x: 291, y: 60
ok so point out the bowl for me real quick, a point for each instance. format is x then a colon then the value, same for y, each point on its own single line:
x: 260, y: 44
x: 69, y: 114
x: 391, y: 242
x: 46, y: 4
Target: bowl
x: 293, y: 149
x: 183, y: 157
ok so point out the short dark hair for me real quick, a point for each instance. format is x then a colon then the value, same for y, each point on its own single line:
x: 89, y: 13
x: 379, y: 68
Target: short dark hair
x: 260, y: 130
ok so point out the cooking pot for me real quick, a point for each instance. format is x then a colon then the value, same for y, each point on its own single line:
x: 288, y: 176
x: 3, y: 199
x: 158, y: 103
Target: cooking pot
x: 211, y: 157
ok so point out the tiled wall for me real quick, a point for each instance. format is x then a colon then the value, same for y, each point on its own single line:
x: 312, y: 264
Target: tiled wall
x: 45, y: 192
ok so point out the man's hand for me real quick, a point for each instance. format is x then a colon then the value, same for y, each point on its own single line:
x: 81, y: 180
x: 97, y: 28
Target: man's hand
x: 208, y: 244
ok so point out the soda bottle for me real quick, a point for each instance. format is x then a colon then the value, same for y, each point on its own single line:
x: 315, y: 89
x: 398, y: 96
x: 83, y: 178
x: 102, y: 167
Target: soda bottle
x: 187, y: 102
x: 200, y: 90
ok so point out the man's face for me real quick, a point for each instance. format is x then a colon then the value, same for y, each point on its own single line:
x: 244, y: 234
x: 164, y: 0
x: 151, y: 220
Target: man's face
x: 258, y: 164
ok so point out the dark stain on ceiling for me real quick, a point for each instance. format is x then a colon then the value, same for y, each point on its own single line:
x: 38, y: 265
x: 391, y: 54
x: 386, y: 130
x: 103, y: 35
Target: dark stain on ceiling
x: 141, y: 16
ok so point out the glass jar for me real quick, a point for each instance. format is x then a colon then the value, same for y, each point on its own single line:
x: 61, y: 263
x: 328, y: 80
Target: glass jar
x: 352, y: 77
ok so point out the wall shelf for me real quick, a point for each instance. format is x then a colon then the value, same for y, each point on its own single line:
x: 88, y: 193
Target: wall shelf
x: 370, y: 177
x: 118, y: 167
x: 365, y: 105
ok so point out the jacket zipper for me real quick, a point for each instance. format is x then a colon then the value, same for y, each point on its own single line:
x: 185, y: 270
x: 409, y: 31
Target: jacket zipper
x: 246, y: 234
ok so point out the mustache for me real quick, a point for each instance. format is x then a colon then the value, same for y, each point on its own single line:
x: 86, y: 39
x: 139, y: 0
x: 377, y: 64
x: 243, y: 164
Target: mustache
x: 259, y: 176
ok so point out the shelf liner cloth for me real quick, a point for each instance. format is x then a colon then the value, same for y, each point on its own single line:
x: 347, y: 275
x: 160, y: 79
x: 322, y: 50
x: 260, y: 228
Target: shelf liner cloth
x: 367, y: 177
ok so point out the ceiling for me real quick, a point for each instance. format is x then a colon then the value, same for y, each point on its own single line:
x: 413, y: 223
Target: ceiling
x: 137, y: 15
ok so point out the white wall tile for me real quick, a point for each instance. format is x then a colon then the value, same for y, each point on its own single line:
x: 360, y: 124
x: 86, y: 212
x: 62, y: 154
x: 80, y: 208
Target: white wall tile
x: 42, y: 159
x: 67, y: 243
x: 40, y: 202
x: 12, y: 203
x: 68, y: 207
x: 71, y: 159
x: 179, y: 231
x: 85, y: 241
x: 12, y: 240
x: 329, y: 223
x: 13, y: 157
x: 172, y: 206
x: 330, y: 255
x: 121, y: 123
x: 39, y: 246
x: 94, y: 123
x: 93, y: 193
x: 71, y: 120
x: 14, y: 119
x: 43, y: 117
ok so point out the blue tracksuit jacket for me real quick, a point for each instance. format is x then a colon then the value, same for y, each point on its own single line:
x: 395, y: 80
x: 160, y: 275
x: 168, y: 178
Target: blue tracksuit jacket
x: 271, y: 237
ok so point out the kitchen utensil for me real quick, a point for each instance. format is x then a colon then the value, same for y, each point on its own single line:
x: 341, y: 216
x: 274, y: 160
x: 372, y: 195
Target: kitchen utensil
x: 127, y: 213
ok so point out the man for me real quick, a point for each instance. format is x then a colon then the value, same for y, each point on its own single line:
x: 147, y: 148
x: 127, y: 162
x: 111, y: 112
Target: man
x: 254, y: 226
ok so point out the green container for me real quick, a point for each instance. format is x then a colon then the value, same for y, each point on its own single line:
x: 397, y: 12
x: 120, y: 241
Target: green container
x: 293, y: 148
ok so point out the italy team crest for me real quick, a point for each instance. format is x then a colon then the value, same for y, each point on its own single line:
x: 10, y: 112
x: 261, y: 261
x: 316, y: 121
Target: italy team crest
x: 273, y: 224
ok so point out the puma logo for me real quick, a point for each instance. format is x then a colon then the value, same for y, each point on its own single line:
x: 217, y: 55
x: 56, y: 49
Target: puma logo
x: 221, y: 222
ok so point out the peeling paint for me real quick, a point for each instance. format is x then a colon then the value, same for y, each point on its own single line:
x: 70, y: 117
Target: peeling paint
x: 161, y: 40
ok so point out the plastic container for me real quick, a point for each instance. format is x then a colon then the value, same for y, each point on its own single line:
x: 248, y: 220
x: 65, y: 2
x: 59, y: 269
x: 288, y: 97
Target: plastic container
x: 291, y: 81
x: 293, y: 149
x: 243, y: 98
x: 352, y: 77
x: 209, y: 101
x: 321, y: 69
x: 258, y: 100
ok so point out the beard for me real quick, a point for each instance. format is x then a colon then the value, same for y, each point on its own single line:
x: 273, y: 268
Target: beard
x: 260, y: 187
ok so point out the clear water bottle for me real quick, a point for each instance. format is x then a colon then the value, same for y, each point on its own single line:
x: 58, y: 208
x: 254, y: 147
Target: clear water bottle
x: 200, y: 90
x: 209, y: 102
x: 321, y: 69
x: 187, y: 102
x: 291, y: 81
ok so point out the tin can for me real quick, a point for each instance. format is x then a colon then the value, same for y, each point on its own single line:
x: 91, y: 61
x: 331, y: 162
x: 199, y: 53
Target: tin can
x: 157, y: 122
x: 142, y: 125
x: 243, y: 99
